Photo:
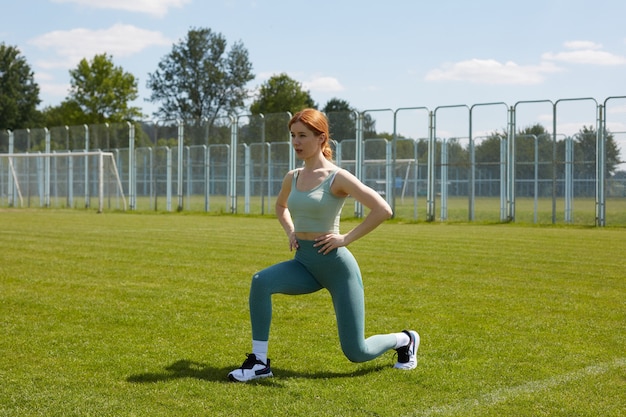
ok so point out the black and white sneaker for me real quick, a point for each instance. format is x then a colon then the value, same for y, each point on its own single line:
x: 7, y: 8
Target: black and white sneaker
x: 252, y: 368
x: 407, y: 355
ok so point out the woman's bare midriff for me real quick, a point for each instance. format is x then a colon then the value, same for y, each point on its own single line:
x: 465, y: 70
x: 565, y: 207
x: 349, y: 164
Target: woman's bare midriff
x: 309, y: 235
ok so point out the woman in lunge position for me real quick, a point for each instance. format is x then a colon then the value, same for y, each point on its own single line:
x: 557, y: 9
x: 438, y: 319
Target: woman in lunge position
x: 308, y: 208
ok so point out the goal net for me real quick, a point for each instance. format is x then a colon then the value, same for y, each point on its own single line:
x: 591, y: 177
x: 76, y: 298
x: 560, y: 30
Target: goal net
x: 61, y: 179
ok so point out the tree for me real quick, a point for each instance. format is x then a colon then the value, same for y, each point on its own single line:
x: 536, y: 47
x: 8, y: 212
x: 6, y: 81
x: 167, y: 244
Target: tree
x: 199, y: 79
x: 342, y: 119
x: 102, y: 91
x: 337, y: 105
x: 19, y: 94
x: 278, y: 97
x: 68, y: 113
x: 585, y: 156
x: 281, y: 94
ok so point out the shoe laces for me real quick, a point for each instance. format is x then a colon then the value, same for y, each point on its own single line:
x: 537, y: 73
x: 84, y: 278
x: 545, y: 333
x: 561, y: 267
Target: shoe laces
x: 250, y: 361
x: 403, y: 354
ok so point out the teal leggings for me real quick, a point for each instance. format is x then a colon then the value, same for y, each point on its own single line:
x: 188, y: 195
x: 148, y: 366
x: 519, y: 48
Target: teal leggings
x: 311, y: 271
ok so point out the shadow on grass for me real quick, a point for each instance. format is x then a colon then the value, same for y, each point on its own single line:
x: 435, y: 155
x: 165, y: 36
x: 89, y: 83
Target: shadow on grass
x: 190, y: 369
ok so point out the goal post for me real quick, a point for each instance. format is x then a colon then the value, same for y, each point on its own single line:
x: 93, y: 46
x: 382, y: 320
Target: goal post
x: 56, y: 178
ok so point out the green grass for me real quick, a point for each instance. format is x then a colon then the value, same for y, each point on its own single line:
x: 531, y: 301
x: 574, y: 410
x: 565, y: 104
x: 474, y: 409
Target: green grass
x: 486, y: 209
x: 137, y: 314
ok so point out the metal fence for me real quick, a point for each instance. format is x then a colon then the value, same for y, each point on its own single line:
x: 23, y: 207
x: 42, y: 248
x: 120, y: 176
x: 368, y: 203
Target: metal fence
x: 450, y: 163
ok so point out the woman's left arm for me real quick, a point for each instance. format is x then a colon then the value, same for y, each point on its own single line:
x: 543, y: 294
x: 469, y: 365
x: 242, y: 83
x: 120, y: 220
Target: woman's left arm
x: 347, y: 184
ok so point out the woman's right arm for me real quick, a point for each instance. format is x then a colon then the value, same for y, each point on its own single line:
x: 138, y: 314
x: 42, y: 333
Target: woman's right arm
x: 282, y: 211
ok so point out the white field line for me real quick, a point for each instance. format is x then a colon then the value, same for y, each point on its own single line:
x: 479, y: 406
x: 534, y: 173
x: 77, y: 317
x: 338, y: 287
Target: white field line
x: 505, y: 394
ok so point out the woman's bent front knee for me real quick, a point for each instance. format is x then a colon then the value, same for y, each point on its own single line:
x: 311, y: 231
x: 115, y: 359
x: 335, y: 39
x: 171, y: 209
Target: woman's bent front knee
x: 356, y: 353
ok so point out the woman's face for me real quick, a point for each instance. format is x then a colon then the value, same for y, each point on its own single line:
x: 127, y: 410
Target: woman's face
x: 305, y: 142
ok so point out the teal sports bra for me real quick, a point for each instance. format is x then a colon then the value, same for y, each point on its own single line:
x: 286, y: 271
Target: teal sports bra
x: 315, y: 210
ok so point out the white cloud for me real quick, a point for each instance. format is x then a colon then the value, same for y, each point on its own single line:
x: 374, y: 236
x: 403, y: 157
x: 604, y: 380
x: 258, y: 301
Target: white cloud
x: 264, y: 76
x: 73, y: 45
x: 315, y: 83
x: 323, y: 84
x: 582, y: 45
x: 489, y: 71
x: 158, y: 8
x: 54, y: 89
x: 44, y: 76
x: 611, y: 109
x: 586, y: 56
x: 585, y: 52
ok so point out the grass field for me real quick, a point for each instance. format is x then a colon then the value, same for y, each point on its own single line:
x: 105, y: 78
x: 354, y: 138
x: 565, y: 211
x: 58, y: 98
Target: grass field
x: 486, y: 209
x: 136, y: 314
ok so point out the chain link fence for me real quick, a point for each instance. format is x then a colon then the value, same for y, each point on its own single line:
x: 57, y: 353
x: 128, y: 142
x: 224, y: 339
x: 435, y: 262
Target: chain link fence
x: 451, y: 163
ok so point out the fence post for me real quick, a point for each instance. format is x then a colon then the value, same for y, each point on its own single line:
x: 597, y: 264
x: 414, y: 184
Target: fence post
x: 132, y: 175
x: 510, y: 189
x: 46, y: 189
x: 100, y: 182
x: 569, y: 177
x: 233, y: 166
x: 444, y: 180
x: 86, y: 166
x: 601, y: 168
x: 247, y: 177
x: 179, y: 179
x: 430, y: 187
x: 168, y: 176
x: 504, y: 176
x: 358, y: 160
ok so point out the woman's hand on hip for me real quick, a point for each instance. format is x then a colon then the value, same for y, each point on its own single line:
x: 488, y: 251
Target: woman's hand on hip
x: 328, y: 242
x: 293, y: 242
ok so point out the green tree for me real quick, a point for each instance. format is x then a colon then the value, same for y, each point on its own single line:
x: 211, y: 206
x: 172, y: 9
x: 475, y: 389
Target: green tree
x: 19, y: 93
x: 342, y: 119
x: 68, y: 113
x: 199, y: 79
x: 281, y: 94
x: 102, y: 91
x: 585, y: 153
x: 487, y: 155
x: 337, y: 105
x: 278, y: 97
x: 525, y: 142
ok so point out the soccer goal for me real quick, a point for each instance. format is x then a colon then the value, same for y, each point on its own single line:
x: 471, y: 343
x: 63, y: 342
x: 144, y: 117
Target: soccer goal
x: 60, y: 179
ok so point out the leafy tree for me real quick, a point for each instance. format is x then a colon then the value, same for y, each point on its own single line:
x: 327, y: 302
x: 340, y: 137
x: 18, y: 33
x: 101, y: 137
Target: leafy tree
x: 337, y: 105
x: 487, y: 153
x: 342, y: 119
x: 19, y: 94
x: 199, y: 79
x: 281, y: 94
x: 68, y: 113
x: 276, y: 98
x: 487, y: 160
x: 585, y: 153
x: 102, y: 91
x: 525, y: 155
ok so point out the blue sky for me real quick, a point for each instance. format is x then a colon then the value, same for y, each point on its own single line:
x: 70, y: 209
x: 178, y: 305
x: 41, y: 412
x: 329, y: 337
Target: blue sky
x: 374, y: 54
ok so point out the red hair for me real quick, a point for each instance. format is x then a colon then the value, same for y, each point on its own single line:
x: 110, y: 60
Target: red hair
x: 317, y: 122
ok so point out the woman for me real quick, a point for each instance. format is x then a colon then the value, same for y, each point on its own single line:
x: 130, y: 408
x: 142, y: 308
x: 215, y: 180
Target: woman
x: 308, y: 208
